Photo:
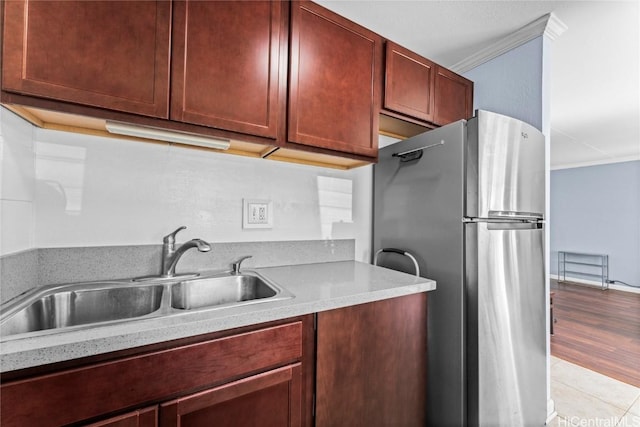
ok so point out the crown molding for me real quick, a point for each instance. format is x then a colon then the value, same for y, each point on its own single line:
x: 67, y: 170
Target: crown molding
x: 555, y: 27
x: 548, y: 25
x: 599, y: 162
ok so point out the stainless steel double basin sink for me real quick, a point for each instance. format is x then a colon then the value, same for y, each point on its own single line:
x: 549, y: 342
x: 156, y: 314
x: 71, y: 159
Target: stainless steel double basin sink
x: 82, y: 305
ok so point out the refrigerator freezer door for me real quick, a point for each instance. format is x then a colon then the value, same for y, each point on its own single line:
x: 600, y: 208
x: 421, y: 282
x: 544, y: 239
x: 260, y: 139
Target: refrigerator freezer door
x: 506, y: 356
x: 504, y: 168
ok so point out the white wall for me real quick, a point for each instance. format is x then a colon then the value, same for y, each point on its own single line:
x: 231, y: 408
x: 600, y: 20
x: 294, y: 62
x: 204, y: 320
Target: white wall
x: 68, y: 190
x: 17, y: 184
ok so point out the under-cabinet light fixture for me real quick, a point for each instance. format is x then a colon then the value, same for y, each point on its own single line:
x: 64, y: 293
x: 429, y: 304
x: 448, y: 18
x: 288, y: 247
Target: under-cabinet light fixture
x: 165, y: 135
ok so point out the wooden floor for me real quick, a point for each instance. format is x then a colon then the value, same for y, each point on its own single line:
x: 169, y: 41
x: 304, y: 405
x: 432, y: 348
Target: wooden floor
x: 599, y: 330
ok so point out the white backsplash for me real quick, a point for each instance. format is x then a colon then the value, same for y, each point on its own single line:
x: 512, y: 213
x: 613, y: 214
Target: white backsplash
x: 17, y: 184
x: 69, y: 190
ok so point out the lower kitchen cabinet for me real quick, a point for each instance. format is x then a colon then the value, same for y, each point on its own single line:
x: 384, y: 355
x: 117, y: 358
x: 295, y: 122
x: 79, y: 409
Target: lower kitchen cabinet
x: 369, y: 370
x: 147, y: 417
x: 269, y: 399
x: 222, y: 376
x: 371, y: 364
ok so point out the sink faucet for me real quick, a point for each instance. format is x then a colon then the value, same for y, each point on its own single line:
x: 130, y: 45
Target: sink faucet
x: 235, y: 267
x: 171, y: 255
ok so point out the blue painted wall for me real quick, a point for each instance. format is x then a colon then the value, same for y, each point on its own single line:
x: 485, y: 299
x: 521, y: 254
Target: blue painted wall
x: 511, y: 84
x: 596, y: 209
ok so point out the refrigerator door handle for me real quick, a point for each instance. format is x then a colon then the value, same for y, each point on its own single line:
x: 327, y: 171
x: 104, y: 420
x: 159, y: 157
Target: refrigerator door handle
x: 506, y: 223
x: 505, y: 220
x: 526, y: 216
x: 415, y: 153
x: 400, y: 252
x: 514, y: 225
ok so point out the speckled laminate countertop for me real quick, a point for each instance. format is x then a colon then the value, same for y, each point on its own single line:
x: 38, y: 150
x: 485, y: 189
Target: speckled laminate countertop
x: 316, y: 287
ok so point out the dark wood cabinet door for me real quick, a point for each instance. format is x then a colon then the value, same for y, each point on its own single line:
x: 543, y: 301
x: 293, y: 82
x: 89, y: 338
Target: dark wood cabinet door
x: 270, y: 399
x: 454, y: 97
x: 227, y: 69
x: 371, y: 364
x: 409, y: 83
x: 109, y: 54
x: 96, y: 390
x: 147, y: 417
x: 334, y: 81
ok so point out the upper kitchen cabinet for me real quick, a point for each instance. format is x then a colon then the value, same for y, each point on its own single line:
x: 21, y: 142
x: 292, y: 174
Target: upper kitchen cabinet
x: 420, y: 95
x: 334, y: 82
x: 229, y: 65
x: 107, y: 54
x: 454, y: 97
x: 409, y: 83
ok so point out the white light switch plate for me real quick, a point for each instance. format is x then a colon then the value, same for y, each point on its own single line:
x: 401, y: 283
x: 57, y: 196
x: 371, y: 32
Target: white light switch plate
x: 257, y: 213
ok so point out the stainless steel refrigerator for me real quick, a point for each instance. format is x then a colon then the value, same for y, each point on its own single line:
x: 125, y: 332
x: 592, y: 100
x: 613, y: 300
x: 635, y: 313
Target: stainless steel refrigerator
x: 467, y: 200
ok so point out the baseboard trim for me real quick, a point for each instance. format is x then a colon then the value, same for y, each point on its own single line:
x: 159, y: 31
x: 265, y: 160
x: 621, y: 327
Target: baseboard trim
x: 594, y: 284
x: 551, y: 411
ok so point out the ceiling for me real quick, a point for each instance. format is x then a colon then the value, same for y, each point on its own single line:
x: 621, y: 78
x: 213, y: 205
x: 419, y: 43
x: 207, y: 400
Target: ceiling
x: 595, y: 81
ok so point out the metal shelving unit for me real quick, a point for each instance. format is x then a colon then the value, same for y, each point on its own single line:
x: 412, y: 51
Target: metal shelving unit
x: 585, y: 265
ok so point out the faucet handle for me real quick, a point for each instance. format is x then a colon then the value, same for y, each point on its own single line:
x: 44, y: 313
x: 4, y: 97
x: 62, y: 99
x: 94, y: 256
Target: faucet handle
x: 171, y: 237
x: 235, y: 267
